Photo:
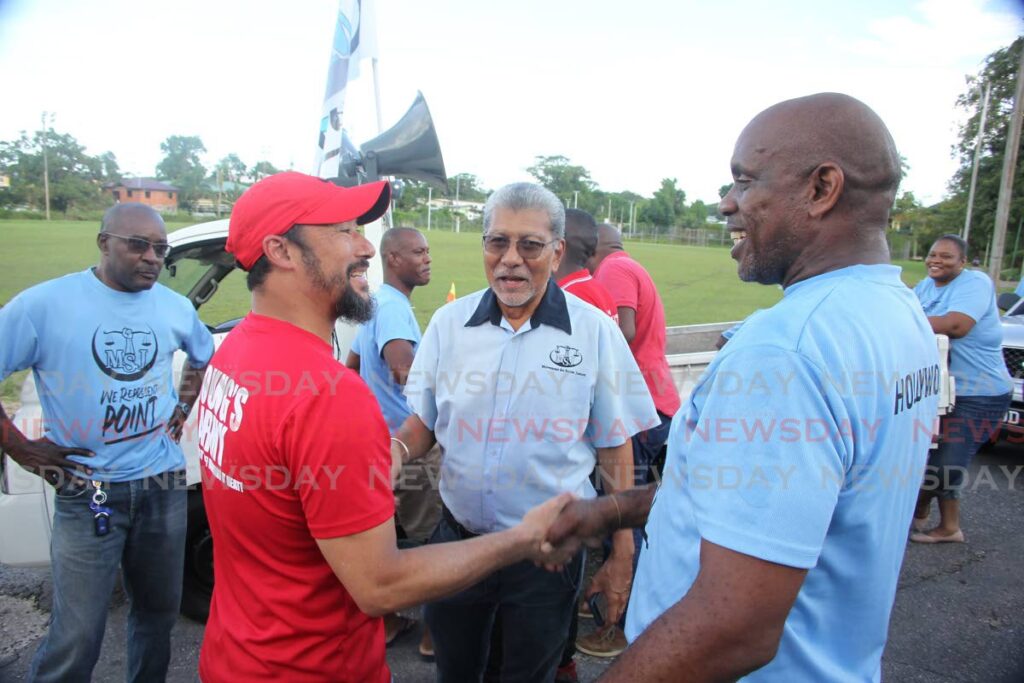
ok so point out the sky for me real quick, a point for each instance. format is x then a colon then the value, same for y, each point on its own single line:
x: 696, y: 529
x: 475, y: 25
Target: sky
x: 634, y: 92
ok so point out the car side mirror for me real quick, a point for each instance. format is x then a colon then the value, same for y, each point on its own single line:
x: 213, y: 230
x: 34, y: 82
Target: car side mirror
x: 1006, y: 300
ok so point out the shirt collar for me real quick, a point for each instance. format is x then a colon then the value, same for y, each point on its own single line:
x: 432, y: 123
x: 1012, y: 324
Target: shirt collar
x: 581, y: 275
x: 552, y: 310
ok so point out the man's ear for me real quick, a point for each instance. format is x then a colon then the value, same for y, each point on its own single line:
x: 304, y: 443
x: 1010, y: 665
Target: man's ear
x: 278, y: 251
x: 827, y: 182
x: 559, y: 248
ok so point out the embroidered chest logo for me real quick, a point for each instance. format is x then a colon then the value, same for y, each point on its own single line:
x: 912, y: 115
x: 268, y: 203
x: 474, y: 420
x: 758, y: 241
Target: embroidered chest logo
x: 566, y: 356
x: 125, y: 354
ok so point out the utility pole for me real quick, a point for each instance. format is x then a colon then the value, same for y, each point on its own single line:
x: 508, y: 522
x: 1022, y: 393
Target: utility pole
x: 977, y: 158
x: 46, y: 163
x: 609, y: 218
x: 1006, y: 186
x: 575, y: 199
x: 430, y: 197
x: 456, y: 205
x: 220, y: 187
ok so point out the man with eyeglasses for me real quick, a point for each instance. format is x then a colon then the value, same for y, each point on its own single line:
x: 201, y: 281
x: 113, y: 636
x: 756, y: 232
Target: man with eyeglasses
x: 101, y: 344
x: 525, y: 388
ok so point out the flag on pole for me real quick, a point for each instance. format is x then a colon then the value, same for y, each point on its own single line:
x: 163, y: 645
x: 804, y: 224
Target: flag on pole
x: 355, y: 39
x: 451, y: 294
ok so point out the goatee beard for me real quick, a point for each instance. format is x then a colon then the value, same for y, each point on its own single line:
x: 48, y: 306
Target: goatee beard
x: 353, y: 308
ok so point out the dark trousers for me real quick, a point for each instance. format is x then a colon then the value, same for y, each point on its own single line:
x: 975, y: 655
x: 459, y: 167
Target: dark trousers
x: 534, y: 607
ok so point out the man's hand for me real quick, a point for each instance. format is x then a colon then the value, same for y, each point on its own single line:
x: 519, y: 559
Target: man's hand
x: 50, y: 461
x: 537, y: 522
x: 176, y: 425
x: 614, y: 580
x: 582, y: 522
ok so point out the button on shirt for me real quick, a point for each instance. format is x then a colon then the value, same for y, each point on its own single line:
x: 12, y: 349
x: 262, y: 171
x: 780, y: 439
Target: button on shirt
x: 518, y: 413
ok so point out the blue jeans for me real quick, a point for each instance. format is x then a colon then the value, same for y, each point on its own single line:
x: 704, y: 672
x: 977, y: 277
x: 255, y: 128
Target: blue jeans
x: 147, y: 540
x: 963, y: 432
x: 535, y: 606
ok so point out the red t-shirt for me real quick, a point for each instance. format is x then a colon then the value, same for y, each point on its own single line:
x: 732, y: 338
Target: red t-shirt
x: 292, y: 447
x: 590, y: 290
x: 631, y: 287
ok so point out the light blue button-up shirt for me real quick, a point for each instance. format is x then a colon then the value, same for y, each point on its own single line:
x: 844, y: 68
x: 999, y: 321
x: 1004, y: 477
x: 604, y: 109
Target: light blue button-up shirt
x: 519, y: 414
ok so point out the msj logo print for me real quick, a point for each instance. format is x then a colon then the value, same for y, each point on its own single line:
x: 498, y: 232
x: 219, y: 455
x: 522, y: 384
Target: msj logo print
x: 125, y: 354
x: 566, y: 356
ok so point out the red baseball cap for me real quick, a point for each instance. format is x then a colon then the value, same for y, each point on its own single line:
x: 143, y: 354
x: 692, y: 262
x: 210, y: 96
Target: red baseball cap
x: 278, y: 202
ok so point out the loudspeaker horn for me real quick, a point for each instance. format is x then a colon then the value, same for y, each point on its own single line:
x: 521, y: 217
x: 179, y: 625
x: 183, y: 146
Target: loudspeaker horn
x: 409, y: 149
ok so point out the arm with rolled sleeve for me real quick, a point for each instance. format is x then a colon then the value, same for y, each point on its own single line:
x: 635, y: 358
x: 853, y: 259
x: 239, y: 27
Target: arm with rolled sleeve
x: 759, y: 537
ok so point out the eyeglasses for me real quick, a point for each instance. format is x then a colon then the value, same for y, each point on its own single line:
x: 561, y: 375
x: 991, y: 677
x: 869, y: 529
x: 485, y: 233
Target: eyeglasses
x: 138, y: 245
x: 528, y: 249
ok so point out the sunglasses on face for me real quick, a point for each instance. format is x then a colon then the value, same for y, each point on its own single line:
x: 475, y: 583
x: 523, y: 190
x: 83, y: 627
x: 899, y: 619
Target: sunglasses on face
x: 138, y: 245
x: 528, y: 249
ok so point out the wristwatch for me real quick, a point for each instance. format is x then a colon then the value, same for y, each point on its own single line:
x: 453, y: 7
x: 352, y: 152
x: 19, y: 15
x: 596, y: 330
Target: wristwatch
x: 185, y: 408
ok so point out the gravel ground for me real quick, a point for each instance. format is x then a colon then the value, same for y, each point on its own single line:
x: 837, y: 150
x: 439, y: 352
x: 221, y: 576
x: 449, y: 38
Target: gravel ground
x: 959, y: 612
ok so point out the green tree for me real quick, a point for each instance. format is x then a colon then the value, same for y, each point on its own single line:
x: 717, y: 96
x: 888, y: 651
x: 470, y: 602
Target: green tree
x: 261, y: 169
x: 182, y: 167
x: 231, y: 168
x: 570, y: 182
x: 468, y: 186
x: 1000, y: 73
x: 75, y: 177
x: 665, y: 209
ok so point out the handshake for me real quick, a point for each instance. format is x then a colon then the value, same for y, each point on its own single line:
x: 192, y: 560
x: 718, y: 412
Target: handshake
x: 554, y: 531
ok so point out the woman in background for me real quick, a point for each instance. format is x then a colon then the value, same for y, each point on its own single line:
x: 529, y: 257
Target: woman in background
x: 960, y: 304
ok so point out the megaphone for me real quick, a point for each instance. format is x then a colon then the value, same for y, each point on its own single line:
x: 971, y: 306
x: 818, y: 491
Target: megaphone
x: 409, y: 149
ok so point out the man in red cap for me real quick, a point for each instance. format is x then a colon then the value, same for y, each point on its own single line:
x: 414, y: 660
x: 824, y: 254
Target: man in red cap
x: 296, y: 460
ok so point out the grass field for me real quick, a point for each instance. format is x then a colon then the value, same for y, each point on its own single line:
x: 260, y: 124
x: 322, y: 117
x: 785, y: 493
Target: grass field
x: 697, y: 284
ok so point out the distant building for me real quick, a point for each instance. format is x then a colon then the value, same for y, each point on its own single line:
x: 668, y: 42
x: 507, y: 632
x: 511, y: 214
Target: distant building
x: 161, y: 196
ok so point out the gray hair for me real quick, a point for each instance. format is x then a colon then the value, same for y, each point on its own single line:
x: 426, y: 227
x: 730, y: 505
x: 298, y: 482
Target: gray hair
x: 525, y: 196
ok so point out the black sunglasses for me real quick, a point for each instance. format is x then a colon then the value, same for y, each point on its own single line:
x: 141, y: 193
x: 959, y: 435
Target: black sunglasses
x: 528, y: 249
x: 138, y: 245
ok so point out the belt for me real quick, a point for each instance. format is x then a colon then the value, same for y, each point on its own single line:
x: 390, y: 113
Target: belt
x: 462, y: 531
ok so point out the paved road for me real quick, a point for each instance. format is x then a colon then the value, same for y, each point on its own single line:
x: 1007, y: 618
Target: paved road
x: 959, y: 613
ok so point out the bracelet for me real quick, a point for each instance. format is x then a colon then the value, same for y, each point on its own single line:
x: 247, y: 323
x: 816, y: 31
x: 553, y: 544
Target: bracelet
x: 405, y: 448
x: 618, y: 512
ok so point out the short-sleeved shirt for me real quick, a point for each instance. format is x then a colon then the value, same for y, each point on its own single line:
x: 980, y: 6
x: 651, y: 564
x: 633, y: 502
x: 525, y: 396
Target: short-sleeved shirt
x: 976, y: 359
x: 632, y: 287
x: 293, y: 449
x: 582, y: 284
x: 519, y: 413
x: 393, y: 319
x: 804, y: 444
x: 103, y: 366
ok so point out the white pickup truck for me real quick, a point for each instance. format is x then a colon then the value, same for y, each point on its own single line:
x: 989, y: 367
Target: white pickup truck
x: 198, y: 267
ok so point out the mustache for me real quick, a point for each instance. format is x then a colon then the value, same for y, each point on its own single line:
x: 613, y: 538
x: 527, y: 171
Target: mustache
x: 358, y: 265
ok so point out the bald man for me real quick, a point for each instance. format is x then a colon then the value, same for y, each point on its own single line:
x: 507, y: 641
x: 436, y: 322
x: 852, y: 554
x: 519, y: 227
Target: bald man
x: 382, y: 354
x: 100, y: 344
x: 776, y: 538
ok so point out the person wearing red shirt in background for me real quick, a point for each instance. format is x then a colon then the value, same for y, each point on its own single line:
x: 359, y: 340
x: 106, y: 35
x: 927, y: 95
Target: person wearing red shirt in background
x: 572, y: 274
x: 296, y: 461
x: 642, y: 321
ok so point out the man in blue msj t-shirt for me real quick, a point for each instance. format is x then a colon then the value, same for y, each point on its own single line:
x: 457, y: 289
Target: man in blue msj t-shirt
x: 382, y: 354
x: 100, y: 344
x: 776, y: 537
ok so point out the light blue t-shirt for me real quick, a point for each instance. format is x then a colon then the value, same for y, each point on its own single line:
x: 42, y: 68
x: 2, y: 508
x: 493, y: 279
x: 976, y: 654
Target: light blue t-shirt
x: 102, y: 361
x: 804, y: 444
x: 976, y: 359
x: 518, y: 414
x: 393, y: 319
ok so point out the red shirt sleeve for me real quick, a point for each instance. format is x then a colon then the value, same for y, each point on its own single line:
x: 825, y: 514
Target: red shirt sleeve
x: 338, y: 448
